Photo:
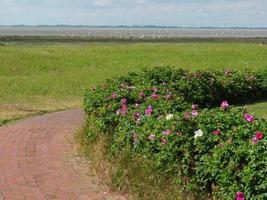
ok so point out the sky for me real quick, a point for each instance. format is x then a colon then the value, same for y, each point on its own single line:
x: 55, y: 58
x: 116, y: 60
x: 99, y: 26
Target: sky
x: 219, y: 13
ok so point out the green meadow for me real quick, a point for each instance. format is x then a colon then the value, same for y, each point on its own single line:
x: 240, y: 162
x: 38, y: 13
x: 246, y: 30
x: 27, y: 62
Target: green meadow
x: 38, y: 78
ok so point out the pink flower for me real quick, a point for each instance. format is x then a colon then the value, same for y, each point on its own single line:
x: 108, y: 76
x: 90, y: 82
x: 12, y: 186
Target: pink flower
x: 113, y: 95
x: 257, y: 137
x: 248, y: 118
x: 123, y: 101
x: 168, y: 96
x: 152, y: 137
x: 216, y: 132
x: 141, y: 95
x: 194, y: 113
x: 123, y: 110
x: 137, y: 116
x: 194, y: 106
x: 224, y: 105
x: 163, y: 141
x: 135, y: 137
x: 118, y: 112
x: 149, y: 110
x: 137, y: 105
x: 167, y: 132
x: 155, y: 96
x: 228, y: 72
x: 154, y: 89
x: 240, y: 196
x: 187, y: 115
x: 179, y: 133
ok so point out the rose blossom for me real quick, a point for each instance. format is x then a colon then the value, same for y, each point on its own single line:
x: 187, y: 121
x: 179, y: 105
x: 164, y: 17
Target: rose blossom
x: 118, y: 112
x: 168, y: 96
x: 141, y: 95
x: 224, y: 105
x: 194, y: 113
x: 123, y: 101
x: 216, y: 132
x: 169, y: 116
x: 152, y: 137
x: 137, y: 105
x: 167, y: 132
x: 228, y: 72
x: 135, y: 138
x: 149, y: 110
x: 248, y: 117
x: 198, y: 133
x: 240, y: 196
x: 257, y: 137
x: 187, y: 115
x: 154, y: 89
x: 124, y: 108
x: 155, y: 96
x: 163, y: 141
x: 137, y: 116
x: 194, y: 106
x: 114, y: 95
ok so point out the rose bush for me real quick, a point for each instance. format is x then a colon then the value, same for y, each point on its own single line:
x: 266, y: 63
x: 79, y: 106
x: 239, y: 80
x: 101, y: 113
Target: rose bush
x: 183, y: 122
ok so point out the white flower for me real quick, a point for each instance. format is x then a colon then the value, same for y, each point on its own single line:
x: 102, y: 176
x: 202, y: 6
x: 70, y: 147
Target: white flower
x: 198, y: 133
x: 169, y: 116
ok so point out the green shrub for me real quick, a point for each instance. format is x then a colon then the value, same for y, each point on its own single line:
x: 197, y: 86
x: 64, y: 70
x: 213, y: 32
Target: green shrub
x: 154, y: 115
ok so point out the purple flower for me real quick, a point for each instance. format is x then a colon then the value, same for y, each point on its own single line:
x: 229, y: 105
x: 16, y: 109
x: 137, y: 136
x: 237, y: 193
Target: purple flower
x: 248, y: 117
x: 152, y: 137
x: 224, y: 105
x: 240, y: 196
x: 155, y: 96
x: 123, y: 101
x: 167, y: 132
x: 149, y: 110
x: 194, y: 113
x: 194, y: 106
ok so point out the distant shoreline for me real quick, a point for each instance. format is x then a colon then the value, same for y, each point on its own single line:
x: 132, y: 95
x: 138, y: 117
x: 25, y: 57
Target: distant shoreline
x: 78, y: 39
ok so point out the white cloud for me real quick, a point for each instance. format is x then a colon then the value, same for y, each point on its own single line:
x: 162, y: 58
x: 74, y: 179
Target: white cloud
x: 114, y: 12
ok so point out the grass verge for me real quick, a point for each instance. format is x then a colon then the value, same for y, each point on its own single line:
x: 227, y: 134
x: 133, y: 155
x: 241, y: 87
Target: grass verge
x: 52, y: 76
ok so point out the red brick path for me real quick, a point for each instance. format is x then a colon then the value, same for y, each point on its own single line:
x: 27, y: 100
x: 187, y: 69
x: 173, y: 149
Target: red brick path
x: 35, y: 161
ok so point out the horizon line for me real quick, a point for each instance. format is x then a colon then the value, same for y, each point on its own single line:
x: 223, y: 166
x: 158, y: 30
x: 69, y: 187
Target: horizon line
x: 133, y: 26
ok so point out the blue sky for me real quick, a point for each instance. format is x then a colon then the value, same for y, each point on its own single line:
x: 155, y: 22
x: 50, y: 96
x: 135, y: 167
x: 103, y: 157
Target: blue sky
x: 139, y: 12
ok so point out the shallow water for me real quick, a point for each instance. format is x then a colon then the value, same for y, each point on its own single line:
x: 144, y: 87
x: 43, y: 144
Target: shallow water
x: 155, y: 33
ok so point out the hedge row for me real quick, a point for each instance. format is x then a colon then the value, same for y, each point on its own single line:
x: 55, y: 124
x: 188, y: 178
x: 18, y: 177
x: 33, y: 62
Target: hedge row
x: 182, y: 121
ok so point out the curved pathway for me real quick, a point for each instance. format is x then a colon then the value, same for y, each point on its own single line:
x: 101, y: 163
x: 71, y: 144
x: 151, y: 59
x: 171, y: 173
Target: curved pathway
x: 37, y: 161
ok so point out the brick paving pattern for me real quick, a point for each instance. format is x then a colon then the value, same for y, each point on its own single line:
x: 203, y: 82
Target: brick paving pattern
x: 36, y: 162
